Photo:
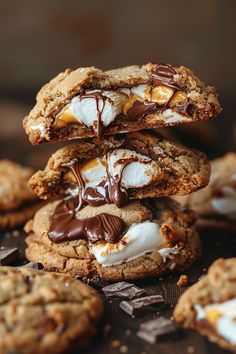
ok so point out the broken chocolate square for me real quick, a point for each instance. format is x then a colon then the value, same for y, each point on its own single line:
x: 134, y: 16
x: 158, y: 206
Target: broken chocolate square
x: 122, y: 290
x: 158, y: 327
x: 142, y: 305
x: 8, y: 255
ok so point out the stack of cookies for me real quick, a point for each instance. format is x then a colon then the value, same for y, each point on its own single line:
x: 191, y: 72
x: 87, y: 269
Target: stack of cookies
x: 108, y: 212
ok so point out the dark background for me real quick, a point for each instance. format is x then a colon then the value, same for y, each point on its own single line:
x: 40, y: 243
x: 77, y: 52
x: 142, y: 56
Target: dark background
x: 38, y: 39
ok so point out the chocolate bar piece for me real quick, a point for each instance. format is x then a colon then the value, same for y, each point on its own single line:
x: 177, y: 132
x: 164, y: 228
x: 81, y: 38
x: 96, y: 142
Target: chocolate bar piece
x: 33, y: 265
x: 150, y: 330
x: 142, y: 305
x: 122, y: 290
x: 8, y: 255
x: 97, y: 283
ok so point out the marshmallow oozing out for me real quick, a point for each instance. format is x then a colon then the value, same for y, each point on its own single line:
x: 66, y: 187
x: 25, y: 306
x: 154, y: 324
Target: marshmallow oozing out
x: 222, y: 317
x: 226, y: 205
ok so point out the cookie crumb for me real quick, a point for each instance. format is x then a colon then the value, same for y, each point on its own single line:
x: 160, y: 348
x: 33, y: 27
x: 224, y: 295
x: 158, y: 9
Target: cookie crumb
x: 128, y: 332
x: 107, y: 329
x: 183, y: 281
x: 190, y: 350
x: 115, y: 343
x: 124, y: 349
x: 15, y: 233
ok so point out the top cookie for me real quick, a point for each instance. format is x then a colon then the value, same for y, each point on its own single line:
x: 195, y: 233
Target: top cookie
x: 45, y: 312
x: 14, y: 190
x: 89, y: 102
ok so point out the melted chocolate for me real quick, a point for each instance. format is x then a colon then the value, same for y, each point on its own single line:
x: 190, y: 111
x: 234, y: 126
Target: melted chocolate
x: 65, y: 226
x: 98, y: 126
x: 163, y: 74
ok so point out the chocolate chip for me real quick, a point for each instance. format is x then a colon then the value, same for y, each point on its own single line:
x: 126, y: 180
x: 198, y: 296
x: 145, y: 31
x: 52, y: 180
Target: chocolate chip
x: 150, y: 330
x: 122, y: 290
x: 8, y: 255
x: 142, y: 305
x: 33, y: 265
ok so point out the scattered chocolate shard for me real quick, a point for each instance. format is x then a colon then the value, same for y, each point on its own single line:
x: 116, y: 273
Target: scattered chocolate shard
x: 8, y: 255
x: 97, y: 283
x: 158, y: 327
x: 122, y: 290
x: 33, y: 265
x: 142, y: 305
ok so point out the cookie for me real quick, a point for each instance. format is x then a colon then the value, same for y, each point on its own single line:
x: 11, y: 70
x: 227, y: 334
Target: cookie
x: 43, y: 312
x: 17, y: 202
x: 159, y: 237
x: 209, y: 306
x: 216, y: 204
x: 89, y: 102
x: 139, y: 164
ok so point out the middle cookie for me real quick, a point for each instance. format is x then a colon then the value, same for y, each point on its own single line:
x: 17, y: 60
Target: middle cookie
x: 131, y: 166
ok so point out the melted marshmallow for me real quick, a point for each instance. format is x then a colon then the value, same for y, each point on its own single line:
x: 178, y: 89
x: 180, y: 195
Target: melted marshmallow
x: 138, y: 240
x: 224, y: 316
x: 226, y: 205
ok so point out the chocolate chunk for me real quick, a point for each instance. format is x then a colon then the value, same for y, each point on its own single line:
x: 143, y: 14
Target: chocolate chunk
x: 122, y: 290
x: 142, y: 305
x: 33, y: 265
x: 150, y: 330
x: 8, y: 255
x: 97, y: 283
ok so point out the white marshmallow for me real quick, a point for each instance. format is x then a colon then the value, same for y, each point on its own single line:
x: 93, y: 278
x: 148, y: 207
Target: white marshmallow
x: 226, y: 205
x: 170, y: 116
x: 226, y: 323
x: 86, y: 110
x: 136, y: 174
x: 137, y: 241
x: 40, y: 127
x: 168, y: 252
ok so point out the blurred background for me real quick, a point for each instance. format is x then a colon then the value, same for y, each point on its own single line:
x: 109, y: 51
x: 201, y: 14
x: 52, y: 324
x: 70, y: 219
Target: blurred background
x: 38, y: 39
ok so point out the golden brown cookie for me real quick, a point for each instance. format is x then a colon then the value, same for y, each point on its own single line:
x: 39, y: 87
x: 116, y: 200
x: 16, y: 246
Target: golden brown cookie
x: 89, y: 102
x: 43, y: 312
x: 216, y: 204
x: 17, y: 202
x: 146, y: 164
x: 159, y: 238
x: 209, y: 306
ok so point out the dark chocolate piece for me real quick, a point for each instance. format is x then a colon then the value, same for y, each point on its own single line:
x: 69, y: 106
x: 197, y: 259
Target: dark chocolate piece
x: 142, y: 305
x: 8, y: 255
x: 33, y: 265
x: 122, y: 290
x: 150, y: 330
x: 97, y: 283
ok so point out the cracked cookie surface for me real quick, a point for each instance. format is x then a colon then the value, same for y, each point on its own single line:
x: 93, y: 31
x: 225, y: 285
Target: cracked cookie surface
x: 42, y: 311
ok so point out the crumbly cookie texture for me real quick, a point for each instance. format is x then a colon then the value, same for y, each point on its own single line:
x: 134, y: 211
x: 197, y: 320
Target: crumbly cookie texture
x: 18, y: 203
x: 176, y: 227
x: 14, y: 190
x: 43, y: 311
x: 213, y: 202
x: 184, y: 170
x: 217, y: 287
x: 56, y: 94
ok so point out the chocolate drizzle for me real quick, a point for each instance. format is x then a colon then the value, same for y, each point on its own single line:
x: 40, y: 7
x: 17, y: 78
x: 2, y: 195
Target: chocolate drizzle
x: 98, y: 126
x: 64, y: 224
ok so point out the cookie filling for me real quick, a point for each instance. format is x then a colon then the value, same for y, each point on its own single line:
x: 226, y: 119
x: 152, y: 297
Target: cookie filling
x: 225, y: 203
x: 220, y: 317
x: 107, y: 179
x: 138, y: 240
x: 97, y: 109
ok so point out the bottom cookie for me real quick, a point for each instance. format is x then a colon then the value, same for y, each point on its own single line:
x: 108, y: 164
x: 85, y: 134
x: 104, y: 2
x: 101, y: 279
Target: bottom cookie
x: 45, y: 312
x: 160, y: 238
x: 209, y: 306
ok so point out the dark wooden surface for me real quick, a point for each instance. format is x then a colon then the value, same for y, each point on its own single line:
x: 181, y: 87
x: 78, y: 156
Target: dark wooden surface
x: 215, y: 244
